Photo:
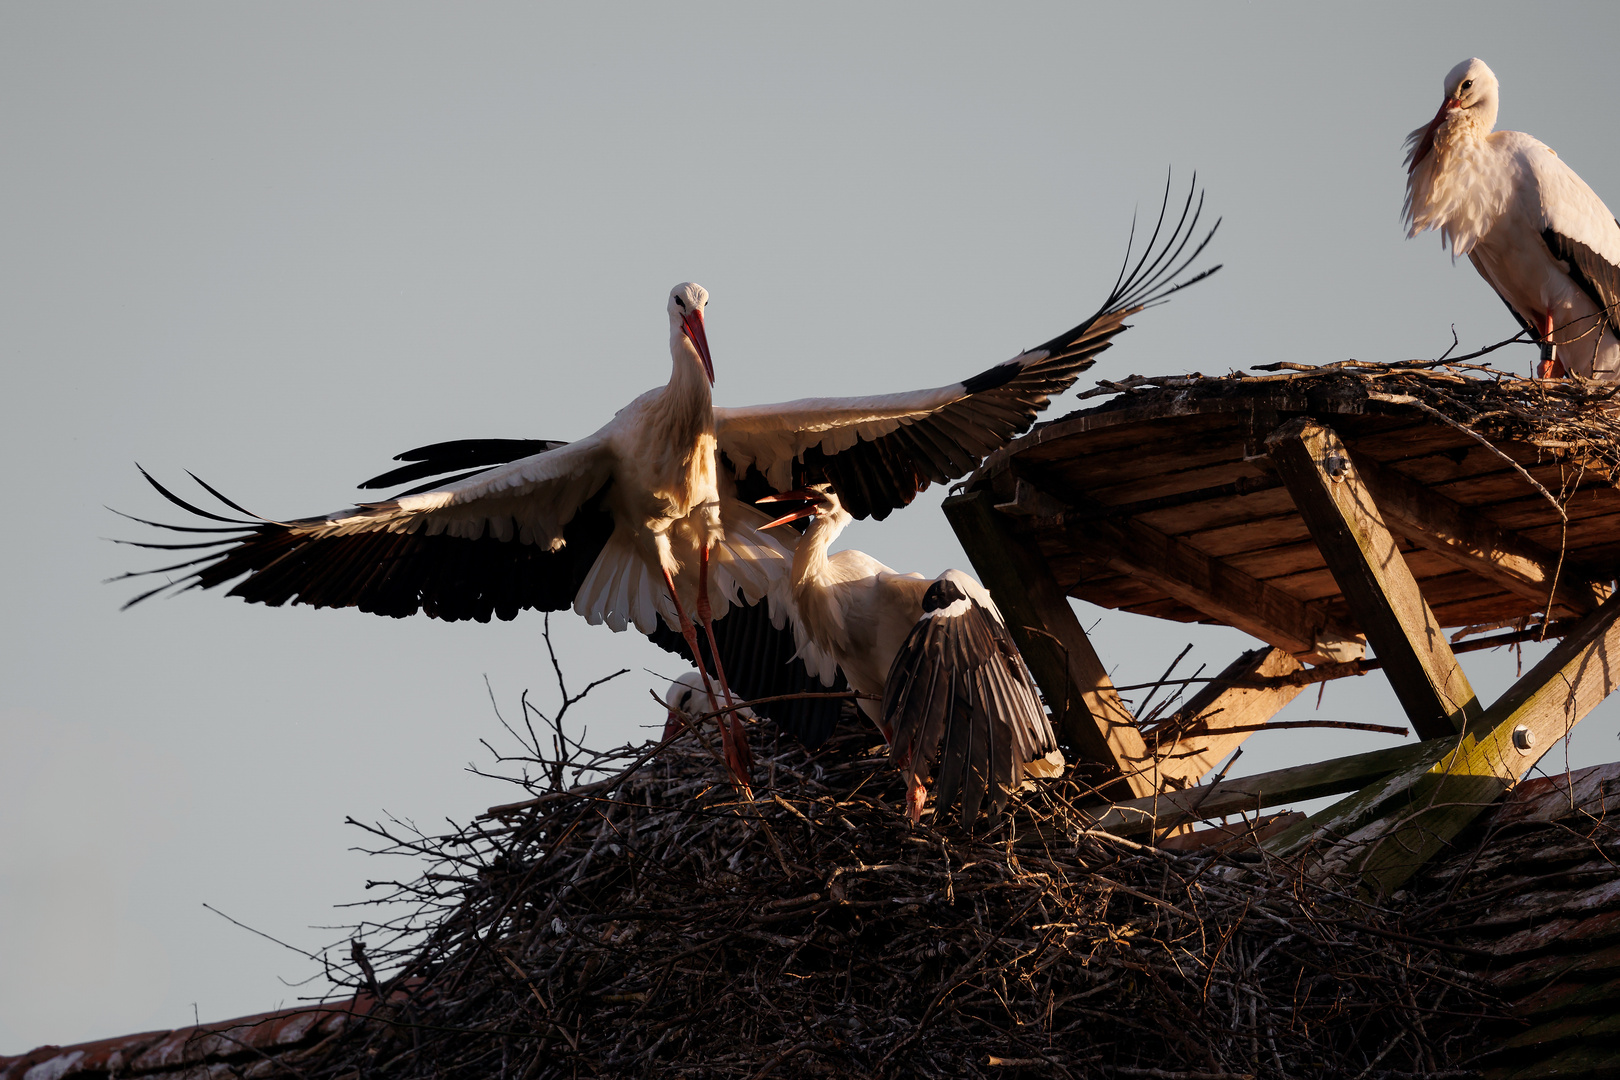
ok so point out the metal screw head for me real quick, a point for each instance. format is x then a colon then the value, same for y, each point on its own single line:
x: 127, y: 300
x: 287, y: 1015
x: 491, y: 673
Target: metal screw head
x: 1336, y: 466
x: 1524, y: 740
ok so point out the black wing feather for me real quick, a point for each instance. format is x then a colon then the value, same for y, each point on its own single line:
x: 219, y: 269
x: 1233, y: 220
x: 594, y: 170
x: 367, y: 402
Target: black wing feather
x: 395, y: 574
x: 876, y: 476
x: 958, y: 693
x: 759, y: 662
x: 458, y: 455
x: 1598, y: 278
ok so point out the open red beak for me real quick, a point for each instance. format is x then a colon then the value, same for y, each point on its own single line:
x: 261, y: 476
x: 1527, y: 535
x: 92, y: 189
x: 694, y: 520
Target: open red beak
x: 811, y: 497
x: 692, y: 321
x: 1426, y: 143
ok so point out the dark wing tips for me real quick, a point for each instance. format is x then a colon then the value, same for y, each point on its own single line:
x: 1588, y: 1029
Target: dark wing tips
x: 383, y: 572
x: 1157, y: 272
x: 457, y: 455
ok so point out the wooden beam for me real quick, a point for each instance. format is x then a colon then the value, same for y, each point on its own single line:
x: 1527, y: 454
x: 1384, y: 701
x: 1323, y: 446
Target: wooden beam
x: 1202, y: 582
x: 1252, y: 793
x: 1377, y: 584
x: 1389, y: 829
x: 1089, y: 715
x: 1196, y: 739
x: 1474, y: 542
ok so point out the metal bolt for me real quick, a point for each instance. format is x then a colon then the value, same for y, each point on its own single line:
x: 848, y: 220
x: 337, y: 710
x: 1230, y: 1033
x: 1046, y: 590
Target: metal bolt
x: 1336, y: 465
x: 1524, y: 740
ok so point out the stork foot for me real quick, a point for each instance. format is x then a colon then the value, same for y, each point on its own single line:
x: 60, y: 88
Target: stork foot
x: 916, y: 795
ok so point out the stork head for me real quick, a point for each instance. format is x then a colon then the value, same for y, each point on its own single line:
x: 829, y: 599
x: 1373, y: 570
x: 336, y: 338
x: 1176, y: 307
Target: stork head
x: 1470, y: 94
x: 1471, y: 85
x: 686, y: 303
x: 821, y: 503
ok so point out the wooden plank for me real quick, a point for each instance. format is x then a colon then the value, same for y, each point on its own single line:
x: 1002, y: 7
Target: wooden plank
x: 1198, y: 738
x: 1101, y: 433
x: 1533, y: 509
x: 1577, y: 534
x: 1220, y: 592
x: 1507, y: 484
x: 1221, y: 511
x: 1373, y: 577
x: 1277, y: 564
x: 1475, y: 543
x: 1256, y: 534
x: 1388, y: 829
x: 1171, y: 483
x: 1090, y: 717
x: 1252, y: 793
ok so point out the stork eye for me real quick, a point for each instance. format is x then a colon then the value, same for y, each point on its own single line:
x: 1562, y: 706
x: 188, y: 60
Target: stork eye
x: 1467, y: 83
x: 680, y: 303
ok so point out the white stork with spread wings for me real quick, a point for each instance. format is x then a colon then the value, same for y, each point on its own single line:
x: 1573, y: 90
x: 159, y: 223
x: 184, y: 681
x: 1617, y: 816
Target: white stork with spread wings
x: 615, y: 523
x: 1532, y: 228
x: 953, y: 686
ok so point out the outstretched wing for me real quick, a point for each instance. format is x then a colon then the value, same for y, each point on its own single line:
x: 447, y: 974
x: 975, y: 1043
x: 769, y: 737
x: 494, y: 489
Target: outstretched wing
x: 879, y: 452
x: 520, y: 536
x: 958, y: 693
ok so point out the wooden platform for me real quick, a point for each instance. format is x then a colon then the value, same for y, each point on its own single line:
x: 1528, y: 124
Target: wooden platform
x: 1321, y: 512
x: 1166, y: 503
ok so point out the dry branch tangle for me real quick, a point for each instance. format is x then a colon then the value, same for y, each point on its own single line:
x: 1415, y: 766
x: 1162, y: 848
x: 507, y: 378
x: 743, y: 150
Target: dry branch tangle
x: 656, y: 927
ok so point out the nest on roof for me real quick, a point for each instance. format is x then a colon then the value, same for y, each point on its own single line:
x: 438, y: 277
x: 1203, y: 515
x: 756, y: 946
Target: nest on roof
x: 1575, y: 420
x: 653, y: 923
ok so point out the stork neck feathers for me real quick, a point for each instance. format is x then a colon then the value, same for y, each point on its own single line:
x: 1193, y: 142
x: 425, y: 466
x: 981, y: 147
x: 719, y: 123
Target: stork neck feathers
x: 1455, y: 181
x: 686, y: 403
x: 820, y: 614
x: 810, y: 556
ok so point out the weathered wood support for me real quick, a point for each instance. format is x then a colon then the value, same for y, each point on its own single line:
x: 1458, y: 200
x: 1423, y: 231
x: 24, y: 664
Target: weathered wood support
x: 1389, y: 829
x: 1350, y: 532
x: 1252, y: 793
x: 1474, y: 542
x: 1198, y: 580
x: 1197, y: 737
x: 1088, y: 712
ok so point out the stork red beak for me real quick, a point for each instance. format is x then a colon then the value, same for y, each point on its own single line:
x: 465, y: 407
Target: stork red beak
x: 1426, y: 141
x: 692, y: 322
x: 812, y: 497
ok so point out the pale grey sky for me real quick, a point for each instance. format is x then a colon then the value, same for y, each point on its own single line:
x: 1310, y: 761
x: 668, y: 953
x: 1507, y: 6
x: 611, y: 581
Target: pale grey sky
x: 277, y: 244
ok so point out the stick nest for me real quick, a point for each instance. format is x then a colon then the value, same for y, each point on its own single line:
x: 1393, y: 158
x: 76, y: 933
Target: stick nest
x: 1573, y: 420
x: 654, y: 923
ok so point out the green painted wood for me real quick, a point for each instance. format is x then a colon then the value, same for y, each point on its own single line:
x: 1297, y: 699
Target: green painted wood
x: 1378, y: 586
x: 1251, y: 793
x: 1391, y: 827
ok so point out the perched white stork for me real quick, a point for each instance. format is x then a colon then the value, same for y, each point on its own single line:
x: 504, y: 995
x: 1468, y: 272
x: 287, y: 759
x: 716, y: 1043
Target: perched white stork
x: 1532, y: 228
x: 952, y: 683
x: 615, y: 523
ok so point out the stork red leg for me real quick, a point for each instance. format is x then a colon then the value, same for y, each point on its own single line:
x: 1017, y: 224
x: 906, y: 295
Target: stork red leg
x: 689, y: 633
x: 738, y: 757
x: 1550, y: 367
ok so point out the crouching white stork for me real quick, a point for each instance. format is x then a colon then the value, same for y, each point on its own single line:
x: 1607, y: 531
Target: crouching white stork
x: 953, y: 686
x: 1532, y: 228
x: 689, y: 699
